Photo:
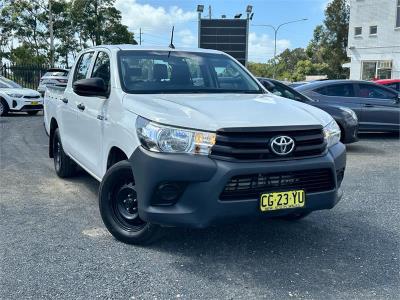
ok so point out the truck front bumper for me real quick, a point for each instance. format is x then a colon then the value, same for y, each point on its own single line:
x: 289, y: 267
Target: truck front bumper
x: 185, y: 190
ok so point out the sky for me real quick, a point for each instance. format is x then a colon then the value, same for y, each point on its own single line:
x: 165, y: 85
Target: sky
x: 156, y: 18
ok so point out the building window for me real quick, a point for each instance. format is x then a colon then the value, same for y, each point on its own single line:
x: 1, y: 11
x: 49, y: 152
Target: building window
x: 373, y: 30
x: 380, y: 69
x: 398, y: 14
x: 358, y: 30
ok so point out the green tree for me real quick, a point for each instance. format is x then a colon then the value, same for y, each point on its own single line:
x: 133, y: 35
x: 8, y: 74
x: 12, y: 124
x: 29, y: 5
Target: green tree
x: 27, y: 22
x: 330, y: 39
x: 100, y: 22
x: 307, y: 67
x: 64, y: 31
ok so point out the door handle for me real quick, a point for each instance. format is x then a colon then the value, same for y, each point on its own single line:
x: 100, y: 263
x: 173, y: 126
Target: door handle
x: 65, y: 100
x: 80, y: 106
x: 369, y: 105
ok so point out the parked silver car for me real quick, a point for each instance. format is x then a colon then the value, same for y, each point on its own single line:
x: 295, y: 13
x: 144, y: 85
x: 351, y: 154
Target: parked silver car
x: 54, y: 76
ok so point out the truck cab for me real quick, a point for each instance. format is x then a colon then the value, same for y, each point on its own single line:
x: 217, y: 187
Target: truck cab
x: 188, y: 137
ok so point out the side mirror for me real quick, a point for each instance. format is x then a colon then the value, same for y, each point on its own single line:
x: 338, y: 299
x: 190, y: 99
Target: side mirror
x: 268, y: 85
x: 91, y: 87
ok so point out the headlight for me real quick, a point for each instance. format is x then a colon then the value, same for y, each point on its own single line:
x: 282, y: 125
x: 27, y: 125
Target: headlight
x: 332, y: 133
x: 161, y: 138
x: 13, y: 95
x: 350, y: 112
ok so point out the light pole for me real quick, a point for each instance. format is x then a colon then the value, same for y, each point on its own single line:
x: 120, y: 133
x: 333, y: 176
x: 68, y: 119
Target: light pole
x: 276, y: 29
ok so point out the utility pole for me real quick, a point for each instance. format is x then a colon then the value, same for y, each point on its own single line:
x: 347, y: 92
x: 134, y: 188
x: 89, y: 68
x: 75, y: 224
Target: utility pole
x: 276, y: 29
x: 140, y: 35
x: 51, y: 35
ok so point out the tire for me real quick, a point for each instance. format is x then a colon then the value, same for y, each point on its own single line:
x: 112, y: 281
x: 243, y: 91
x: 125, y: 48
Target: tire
x: 3, y: 107
x: 342, y: 133
x: 65, y: 167
x: 295, y: 216
x: 33, y: 112
x: 119, y: 210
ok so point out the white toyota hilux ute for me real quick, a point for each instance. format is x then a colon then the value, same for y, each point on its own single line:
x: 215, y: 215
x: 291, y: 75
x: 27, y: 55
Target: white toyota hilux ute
x: 181, y: 137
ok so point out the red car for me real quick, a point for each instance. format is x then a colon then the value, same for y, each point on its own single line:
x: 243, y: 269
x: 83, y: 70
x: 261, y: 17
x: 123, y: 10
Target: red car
x: 390, y: 83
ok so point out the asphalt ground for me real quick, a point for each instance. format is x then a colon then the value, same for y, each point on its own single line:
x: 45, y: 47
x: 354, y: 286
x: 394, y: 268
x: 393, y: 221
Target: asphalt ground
x: 53, y: 243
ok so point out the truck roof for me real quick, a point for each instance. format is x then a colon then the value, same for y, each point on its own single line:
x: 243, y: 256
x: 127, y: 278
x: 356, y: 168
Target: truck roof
x: 152, y: 48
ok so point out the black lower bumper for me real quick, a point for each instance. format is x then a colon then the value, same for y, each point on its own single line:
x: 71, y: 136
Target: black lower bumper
x: 201, y: 181
x: 350, y: 131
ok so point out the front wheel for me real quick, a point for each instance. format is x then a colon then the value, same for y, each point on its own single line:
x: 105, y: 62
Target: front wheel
x: 118, y: 204
x: 3, y: 107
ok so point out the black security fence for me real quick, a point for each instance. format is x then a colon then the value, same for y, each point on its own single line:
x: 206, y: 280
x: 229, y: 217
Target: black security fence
x: 27, y: 76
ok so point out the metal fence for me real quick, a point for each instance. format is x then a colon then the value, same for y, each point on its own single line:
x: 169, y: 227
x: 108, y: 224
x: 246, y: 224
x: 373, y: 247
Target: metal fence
x: 27, y: 76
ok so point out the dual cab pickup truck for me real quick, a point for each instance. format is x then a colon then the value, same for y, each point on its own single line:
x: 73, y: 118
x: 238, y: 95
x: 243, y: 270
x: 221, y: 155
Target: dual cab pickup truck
x: 189, y: 138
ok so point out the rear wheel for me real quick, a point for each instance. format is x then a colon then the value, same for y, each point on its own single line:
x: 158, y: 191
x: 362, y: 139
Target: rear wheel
x: 118, y: 204
x: 33, y: 112
x: 64, y: 166
x: 3, y: 107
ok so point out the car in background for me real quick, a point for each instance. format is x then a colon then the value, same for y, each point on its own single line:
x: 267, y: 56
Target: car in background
x: 344, y: 117
x: 297, y: 83
x: 54, y: 76
x: 390, y: 83
x: 377, y: 107
x: 14, y: 97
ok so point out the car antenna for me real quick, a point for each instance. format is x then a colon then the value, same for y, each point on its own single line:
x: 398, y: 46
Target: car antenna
x: 171, y: 45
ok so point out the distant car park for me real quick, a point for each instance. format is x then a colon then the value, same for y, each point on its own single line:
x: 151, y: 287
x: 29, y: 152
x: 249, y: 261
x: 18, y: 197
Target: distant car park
x: 377, y: 107
x: 54, y: 76
x: 390, y: 83
x: 344, y: 116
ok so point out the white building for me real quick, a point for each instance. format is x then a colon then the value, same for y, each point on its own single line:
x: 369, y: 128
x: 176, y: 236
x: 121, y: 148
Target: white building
x: 374, y: 39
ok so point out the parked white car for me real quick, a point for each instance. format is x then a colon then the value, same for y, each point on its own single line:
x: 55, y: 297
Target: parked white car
x: 52, y: 77
x: 15, y: 98
x: 189, y: 138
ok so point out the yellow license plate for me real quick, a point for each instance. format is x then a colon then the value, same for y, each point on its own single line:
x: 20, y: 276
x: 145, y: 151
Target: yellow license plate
x: 34, y: 103
x: 282, y: 200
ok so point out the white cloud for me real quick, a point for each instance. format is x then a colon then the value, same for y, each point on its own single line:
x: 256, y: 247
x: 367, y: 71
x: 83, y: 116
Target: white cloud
x: 261, y: 47
x: 156, y: 23
x: 186, y: 38
x: 151, y: 18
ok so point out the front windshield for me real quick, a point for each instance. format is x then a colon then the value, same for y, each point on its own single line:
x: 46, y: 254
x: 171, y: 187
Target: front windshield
x: 183, y: 72
x: 7, y: 83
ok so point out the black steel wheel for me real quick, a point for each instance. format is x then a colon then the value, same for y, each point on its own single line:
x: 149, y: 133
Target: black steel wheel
x: 119, y: 207
x: 64, y: 166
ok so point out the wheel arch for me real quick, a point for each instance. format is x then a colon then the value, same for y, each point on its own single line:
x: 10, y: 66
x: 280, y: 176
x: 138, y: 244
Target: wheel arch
x: 53, y: 127
x: 115, y: 154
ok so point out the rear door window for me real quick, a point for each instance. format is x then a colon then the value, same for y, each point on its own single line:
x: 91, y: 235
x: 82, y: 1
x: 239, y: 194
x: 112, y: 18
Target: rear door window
x: 337, y: 90
x: 374, y: 92
x: 82, y: 67
x: 392, y: 86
